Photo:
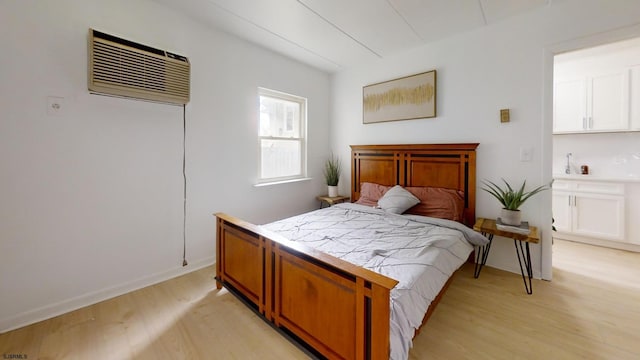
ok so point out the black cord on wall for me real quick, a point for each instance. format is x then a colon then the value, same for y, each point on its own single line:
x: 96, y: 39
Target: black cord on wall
x: 184, y: 185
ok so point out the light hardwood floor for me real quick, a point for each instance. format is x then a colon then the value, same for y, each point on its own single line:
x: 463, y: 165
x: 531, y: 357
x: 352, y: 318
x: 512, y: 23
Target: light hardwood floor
x: 591, y: 310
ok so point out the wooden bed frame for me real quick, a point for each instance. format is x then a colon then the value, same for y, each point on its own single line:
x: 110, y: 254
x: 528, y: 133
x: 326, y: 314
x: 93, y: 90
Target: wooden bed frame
x: 341, y: 310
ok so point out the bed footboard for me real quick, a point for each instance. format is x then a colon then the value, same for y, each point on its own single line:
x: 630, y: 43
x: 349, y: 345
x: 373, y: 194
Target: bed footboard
x: 339, y: 309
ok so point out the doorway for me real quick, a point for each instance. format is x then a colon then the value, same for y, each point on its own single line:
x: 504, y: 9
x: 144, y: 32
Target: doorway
x: 595, y: 142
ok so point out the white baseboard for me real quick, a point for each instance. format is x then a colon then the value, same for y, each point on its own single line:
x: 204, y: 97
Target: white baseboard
x: 65, y: 306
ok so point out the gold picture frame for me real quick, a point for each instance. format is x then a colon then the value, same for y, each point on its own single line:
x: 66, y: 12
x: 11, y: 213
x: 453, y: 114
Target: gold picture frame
x: 405, y: 98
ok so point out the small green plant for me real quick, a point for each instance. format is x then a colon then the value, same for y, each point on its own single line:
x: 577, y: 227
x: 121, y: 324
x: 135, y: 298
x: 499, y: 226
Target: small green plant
x: 332, y: 170
x: 508, y: 197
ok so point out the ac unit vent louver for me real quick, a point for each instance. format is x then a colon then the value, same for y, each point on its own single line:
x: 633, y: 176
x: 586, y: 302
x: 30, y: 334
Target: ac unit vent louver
x: 123, y: 68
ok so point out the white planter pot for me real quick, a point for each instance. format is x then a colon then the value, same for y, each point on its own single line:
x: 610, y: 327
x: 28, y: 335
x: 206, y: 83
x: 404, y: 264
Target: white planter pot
x: 511, y: 217
x: 333, y: 191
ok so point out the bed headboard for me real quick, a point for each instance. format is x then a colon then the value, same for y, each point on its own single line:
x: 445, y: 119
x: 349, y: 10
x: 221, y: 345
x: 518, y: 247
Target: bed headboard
x: 451, y: 166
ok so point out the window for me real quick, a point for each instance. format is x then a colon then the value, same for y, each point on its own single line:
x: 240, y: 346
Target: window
x: 282, y: 133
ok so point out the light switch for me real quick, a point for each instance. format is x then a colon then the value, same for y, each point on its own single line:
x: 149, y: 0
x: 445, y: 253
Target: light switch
x: 526, y: 153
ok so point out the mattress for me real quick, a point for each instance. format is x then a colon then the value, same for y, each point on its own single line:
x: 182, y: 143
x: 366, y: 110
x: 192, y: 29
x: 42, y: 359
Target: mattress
x: 421, y: 253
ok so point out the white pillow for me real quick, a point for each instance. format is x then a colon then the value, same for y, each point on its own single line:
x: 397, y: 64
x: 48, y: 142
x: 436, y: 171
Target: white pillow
x: 397, y: 200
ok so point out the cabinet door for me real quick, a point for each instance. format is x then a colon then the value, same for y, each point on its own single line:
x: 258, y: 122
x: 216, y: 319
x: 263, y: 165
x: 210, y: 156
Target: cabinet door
x: 569, y: 105
x: 561, y: 208
x: 600, y: 216
x: 635, y: 97
x: 607, y: 102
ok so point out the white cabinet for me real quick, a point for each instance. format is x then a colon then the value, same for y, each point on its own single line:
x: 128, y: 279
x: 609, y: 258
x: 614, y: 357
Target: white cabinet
x: 591, y: 209
x: 592, y: 103
x: 569, y: 105
x: 609, y: 108
x: 562, y: 210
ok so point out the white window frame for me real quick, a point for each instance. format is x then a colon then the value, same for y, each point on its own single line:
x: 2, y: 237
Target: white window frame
x: 302, y: 102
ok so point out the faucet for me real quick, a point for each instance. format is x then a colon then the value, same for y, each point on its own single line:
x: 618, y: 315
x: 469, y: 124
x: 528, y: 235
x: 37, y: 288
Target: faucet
x: 567, y: 169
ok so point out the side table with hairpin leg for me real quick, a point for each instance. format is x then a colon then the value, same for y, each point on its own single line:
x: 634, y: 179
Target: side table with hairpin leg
x: 331, y: 200
x: 488, y: 228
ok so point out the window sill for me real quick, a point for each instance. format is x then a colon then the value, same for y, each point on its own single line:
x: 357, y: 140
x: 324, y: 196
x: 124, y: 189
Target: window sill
x: 281, y: 182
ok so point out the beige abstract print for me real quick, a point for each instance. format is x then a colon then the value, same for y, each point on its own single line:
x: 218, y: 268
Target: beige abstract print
x: 411, y: 97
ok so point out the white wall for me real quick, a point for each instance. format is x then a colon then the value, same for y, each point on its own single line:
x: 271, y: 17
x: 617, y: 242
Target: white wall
x: 505, y: 65
x: 609, y: 155
x: 92, y: 199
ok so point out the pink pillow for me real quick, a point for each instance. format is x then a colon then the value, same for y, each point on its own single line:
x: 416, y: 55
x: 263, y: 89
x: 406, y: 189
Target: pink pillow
x: 370, y: 193
x: 438, y: 202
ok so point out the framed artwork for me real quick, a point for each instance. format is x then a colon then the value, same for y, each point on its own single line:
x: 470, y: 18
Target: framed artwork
x: 409, y: 97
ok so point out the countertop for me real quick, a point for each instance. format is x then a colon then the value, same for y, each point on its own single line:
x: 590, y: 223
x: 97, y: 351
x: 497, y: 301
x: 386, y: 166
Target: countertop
x: 628, y: 179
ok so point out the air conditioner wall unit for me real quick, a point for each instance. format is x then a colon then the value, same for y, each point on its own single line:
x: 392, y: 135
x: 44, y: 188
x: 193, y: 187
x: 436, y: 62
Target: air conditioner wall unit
x: 120, y: 67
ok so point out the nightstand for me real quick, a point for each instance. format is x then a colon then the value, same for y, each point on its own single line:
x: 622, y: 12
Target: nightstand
x: 488, y: 228
x: 331, y: 200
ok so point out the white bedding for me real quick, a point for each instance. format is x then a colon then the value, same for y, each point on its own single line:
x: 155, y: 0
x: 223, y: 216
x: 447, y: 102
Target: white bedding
x: 420, y: 252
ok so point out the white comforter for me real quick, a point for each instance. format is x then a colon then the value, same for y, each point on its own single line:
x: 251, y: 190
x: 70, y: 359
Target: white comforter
x: 420, y: 252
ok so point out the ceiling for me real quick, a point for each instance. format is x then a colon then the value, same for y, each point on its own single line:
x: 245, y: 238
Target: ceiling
x: 335, y: 34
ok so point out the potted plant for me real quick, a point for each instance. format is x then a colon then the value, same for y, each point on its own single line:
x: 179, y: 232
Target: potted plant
x: 510, y: 199
x: 332, y: 170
